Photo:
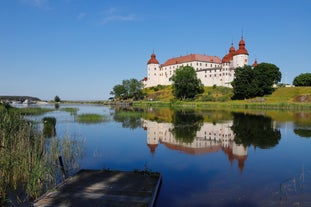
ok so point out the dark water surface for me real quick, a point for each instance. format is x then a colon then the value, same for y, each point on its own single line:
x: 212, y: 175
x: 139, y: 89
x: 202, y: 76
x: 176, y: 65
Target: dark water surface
x: 207, y: 158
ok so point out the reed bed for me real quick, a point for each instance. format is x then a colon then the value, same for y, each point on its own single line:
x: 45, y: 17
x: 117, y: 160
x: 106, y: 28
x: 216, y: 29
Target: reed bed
x: 29, y: 161
x: 91, y: 118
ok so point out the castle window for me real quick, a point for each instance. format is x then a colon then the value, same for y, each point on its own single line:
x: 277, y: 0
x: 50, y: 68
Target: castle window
x: 211, y: 65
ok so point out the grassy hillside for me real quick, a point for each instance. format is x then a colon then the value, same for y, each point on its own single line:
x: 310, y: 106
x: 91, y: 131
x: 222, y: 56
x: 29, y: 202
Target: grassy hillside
x: 294, y: 94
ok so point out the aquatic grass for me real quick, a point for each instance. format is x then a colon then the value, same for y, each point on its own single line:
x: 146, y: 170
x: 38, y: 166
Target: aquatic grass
x: 35, y: 111
x: 72, y: 111
x: 91, y: 118
x: 29, y: 161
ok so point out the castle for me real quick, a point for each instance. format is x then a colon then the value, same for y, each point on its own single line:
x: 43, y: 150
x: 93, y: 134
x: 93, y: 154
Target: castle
x: 211, y: 70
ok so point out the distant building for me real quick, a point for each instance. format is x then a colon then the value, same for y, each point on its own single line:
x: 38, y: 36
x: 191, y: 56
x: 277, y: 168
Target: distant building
x: 211, y: 70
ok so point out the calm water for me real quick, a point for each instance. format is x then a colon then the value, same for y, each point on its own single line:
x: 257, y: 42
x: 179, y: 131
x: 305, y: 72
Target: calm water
x: 206, y: 158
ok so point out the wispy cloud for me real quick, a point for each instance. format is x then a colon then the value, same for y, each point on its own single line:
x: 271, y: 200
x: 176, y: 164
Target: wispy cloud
x: 115, y: 15
x: 44, y: 4
x: 82, y: 15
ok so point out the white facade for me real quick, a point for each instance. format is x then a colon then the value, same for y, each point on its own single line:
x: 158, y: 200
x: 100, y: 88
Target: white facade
x: 210, y: 138
x: 211, y: 70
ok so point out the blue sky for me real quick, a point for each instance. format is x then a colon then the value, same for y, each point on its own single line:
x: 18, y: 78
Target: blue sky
x: 80, y: 49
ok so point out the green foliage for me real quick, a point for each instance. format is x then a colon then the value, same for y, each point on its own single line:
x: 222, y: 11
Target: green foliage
x: 118, y: 91
x: 249, y: 83
x: 56, y: 99
x: 303, y: 79
x: 243, y: 84
x: 266, y: 75
x: 128, y: 89
x: 49, y: 129
x: 185, y: 83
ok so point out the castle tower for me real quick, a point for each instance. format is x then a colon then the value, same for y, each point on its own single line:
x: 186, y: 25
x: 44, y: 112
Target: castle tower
x: 240, y: 57
x: 227, y: 66
x: 153, y: 71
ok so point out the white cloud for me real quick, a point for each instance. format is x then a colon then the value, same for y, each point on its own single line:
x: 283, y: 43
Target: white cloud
x: 38, y: 3
x: 115, y: 15
x: 119, y: 18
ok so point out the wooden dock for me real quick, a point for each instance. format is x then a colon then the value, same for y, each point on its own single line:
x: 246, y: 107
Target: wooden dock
x: 104, y: 188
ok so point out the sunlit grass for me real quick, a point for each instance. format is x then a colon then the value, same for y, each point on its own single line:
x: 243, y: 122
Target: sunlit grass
x: 72, y: 111
x: 91, y: 118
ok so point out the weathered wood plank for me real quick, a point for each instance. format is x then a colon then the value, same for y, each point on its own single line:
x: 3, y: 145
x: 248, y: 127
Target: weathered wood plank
x: 104, y: 188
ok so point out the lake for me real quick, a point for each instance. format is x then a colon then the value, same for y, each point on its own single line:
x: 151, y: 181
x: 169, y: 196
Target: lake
x: 206, y: 158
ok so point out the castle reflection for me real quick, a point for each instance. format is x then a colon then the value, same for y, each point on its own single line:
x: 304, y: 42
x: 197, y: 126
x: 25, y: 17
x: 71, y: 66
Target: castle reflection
x: 210, y: 138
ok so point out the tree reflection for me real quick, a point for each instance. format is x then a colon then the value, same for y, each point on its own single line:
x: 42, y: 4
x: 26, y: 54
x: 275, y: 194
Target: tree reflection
x: 128, y: 116
x: 186, y: 124
x: 305, y: 133
x: 255, y: 130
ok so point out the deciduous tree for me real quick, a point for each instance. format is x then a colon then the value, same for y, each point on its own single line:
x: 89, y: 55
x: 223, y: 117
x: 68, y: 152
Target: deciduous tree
x: 185, y: 83
x: 249, y: 83
x: 303, y: 79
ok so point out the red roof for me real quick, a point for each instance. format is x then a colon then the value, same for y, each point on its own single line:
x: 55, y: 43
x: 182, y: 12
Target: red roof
x: 255, y: 63
x: 153, y: 59
x: 242, y: 49
x: 191, y: 58
x: 227, y: 58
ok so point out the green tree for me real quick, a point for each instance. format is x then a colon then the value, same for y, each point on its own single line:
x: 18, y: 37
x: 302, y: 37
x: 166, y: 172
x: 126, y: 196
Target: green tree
x: 249, y: 83
x: 118, y: 91
x: 56, y: 99
x: 135, y: 88
x: 266, y: 76
x: 244, y: 85
x: 303, y: 79
x: 185, y: 83
x: 128, y: 89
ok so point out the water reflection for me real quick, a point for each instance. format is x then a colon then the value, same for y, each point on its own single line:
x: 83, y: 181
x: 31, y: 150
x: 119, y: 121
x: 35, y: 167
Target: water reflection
x: 189, y: 134
x: 186, y: 124
x: 128, y: 116
x: 209, y: 138
x: 256, y: 130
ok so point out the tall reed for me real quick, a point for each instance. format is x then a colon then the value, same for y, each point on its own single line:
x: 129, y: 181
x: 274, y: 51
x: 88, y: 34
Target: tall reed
x: 28, y: 162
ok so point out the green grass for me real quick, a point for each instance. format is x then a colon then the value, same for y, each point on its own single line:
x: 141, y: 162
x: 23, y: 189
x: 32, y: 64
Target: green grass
x: 220, y: 97
x: 27, y: 159
x: 33, y: 111
x: 72, y: 111
x: 91, y: 118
